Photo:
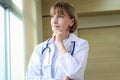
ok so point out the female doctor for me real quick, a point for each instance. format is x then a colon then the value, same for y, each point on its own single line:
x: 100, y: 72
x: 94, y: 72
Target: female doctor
x: 64, y: 55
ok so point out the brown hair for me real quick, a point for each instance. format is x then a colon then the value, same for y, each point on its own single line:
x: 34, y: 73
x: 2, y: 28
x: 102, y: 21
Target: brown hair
x: 61, y: 7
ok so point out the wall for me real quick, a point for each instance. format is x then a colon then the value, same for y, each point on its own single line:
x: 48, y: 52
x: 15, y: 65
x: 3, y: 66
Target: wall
x: 85, y: 6
x: 104, y: 55
x: 100, y: 25
x: 102, y: 33
x: 32, y: 19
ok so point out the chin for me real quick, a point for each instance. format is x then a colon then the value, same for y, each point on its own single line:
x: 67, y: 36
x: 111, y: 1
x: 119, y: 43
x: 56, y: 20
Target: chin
x: 54, y: 29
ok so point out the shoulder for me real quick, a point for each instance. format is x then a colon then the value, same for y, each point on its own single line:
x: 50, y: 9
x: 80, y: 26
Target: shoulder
x: 38, y: 48
x: 75, y: 38
x: 79, y: 41
x: 40, y: 44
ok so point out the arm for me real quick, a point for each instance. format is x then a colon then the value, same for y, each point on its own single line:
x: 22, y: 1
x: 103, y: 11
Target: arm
x: 74, y: 66
x: 67, y: 78
x: 33, y: 70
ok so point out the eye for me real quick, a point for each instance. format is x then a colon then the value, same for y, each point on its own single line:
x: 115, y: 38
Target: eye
x: 61, y: 16
x: 51, y: 16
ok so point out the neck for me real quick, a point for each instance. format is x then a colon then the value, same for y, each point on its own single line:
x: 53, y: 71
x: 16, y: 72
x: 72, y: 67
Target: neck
x: 66, y: 35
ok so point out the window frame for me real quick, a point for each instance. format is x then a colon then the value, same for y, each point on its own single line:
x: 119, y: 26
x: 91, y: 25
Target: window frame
x: 9, y: 7
x: 12, y: 7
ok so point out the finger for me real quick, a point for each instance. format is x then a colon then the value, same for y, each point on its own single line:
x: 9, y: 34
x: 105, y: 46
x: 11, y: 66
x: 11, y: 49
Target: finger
x: 56, y: 34
x: 53, y: 36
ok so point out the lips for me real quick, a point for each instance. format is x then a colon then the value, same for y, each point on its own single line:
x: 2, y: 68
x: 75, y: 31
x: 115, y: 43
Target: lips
x: 56, y: 26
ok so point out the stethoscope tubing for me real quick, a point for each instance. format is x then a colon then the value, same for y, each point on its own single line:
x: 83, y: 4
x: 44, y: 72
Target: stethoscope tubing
x: 47, y: 47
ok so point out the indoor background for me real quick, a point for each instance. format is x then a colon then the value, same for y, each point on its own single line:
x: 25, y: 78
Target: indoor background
x: 24, y: 28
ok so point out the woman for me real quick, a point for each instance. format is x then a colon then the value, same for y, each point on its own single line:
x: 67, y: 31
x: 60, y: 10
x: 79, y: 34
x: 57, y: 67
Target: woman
x: 64, y: 55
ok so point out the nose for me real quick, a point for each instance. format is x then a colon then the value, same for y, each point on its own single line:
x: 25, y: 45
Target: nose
x: 55, y: 20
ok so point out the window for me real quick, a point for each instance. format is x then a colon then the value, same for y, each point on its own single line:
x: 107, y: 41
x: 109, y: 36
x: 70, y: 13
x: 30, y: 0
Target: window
x: 2, y: 45
x: 17, y: 50
x: 18, y: 3
x: 11, y: 42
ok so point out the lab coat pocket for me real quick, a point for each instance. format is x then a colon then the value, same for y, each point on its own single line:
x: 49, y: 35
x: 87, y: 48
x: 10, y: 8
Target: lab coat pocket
x: 46, y: 70
x: 46, y: 64
x: 46, y: 60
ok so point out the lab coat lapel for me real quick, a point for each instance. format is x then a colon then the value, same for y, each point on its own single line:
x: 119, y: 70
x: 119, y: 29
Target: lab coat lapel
x: 52, y: 47
x: 68, y: 43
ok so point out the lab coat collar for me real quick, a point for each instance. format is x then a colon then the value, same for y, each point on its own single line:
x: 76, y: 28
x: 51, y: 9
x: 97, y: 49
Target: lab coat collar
x: 72, y: 37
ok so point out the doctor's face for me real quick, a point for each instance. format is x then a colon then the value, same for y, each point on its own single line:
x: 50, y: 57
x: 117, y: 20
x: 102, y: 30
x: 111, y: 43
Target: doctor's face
x: 61, y: 22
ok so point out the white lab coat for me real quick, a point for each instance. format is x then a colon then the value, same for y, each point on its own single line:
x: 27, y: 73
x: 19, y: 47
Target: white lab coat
x: 51, y: 66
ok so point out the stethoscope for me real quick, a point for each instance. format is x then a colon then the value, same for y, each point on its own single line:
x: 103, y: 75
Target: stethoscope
x: 49, y: 49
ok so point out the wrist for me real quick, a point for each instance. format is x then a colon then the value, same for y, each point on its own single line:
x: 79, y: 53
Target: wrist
x: 62, y: 49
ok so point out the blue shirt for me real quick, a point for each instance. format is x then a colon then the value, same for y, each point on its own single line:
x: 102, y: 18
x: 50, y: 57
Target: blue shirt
x: 49, y: 65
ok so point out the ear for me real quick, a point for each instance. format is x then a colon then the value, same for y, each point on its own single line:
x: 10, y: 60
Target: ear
x: 72, y: 22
